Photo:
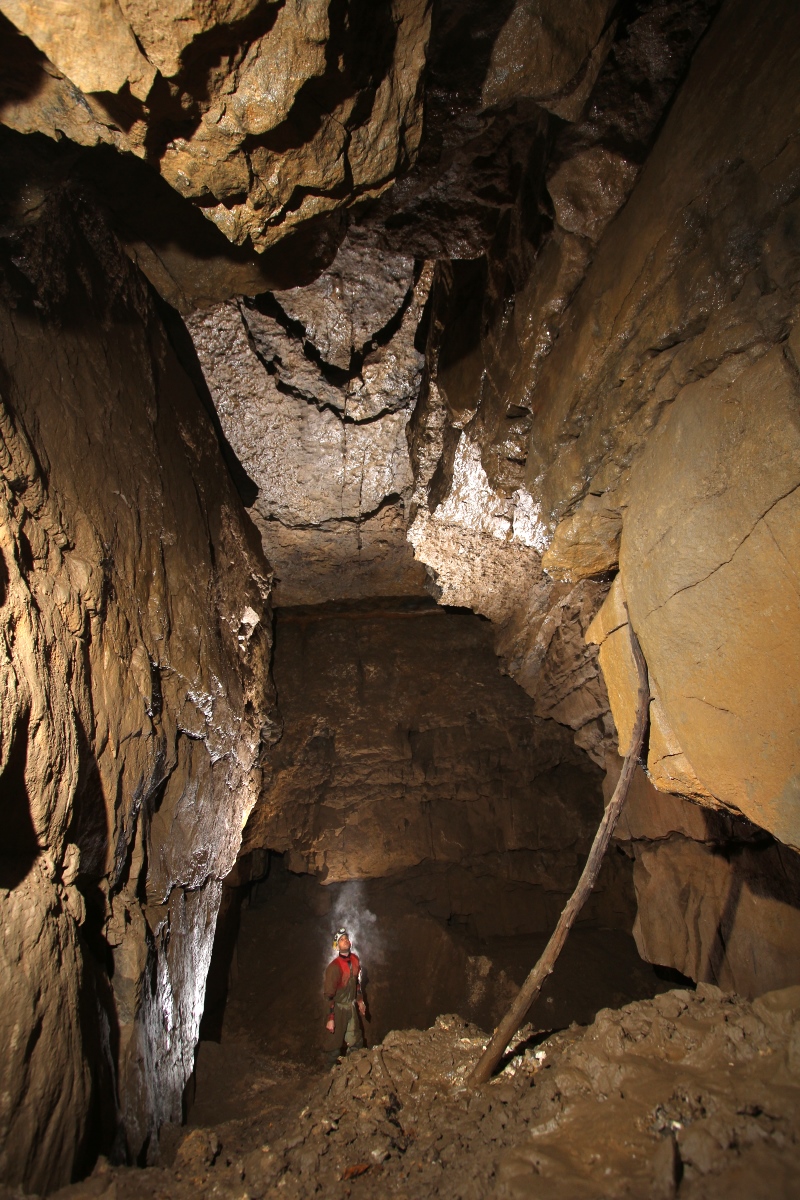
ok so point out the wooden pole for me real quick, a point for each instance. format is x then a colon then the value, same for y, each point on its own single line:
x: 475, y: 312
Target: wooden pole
x: 544, y: 967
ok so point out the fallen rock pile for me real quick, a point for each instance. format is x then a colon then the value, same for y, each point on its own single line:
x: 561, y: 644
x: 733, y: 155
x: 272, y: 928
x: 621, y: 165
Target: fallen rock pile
x: 694, y: 1094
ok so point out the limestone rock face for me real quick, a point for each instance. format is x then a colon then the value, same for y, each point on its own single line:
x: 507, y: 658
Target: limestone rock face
x: 710, y: 558
x: 135, y: 697
x: 708, y: 496
x: 720, y: 910
x: 263, y: 115
x: 481, y: 523
x: 647, y: 321
x: 618, y: 395
x: 483, y: 551
x: 404, y: 747
x: 314, y: 389
x: 543, y: 49
x: 581, y: 172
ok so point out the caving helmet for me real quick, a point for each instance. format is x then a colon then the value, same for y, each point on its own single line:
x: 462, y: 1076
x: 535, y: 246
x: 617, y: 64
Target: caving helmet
x: 340, y: 933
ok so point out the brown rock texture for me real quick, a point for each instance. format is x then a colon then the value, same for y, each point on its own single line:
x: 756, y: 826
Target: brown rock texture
x: 723, y: 910
x: 544, y: 364
x: 669, y: 331
x: 667, y: 765
x: 710, y: 556
x: 695, y: 1091
x: 481, y: 523
x: 404, y: 747
x: 134, y: 662
x: 718, y: 899
x: 483, y: 552
x: 314, y: 388
x: 263, y: 115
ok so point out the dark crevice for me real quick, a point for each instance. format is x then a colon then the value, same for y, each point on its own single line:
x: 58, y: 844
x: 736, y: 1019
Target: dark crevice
x: 339, y: 377
x: 335, y: 523
x: 181, y: 342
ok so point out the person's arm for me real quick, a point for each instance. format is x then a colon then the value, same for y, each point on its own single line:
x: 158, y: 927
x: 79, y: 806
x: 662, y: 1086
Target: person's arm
x: 332, y: 980
x: 329, y: 984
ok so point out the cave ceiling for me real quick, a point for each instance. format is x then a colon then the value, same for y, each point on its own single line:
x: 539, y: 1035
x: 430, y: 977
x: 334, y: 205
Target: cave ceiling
x: 450, y: 271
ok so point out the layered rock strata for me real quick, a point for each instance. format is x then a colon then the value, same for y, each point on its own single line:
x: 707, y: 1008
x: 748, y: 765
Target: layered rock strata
x: 717, y: 898
x: 405, y: 750
x: 654, y: 430
x: 136, y: 699
x: 690, y: 432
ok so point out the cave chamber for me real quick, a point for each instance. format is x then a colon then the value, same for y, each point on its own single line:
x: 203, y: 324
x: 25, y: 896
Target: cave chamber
x: 369, y: 373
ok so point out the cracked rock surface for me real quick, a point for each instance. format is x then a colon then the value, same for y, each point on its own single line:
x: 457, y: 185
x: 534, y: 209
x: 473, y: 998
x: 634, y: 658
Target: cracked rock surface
x: 614, y: 400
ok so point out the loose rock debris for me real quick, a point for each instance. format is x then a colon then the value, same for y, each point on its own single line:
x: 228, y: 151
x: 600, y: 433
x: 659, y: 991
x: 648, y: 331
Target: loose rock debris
x: 694, y: 1094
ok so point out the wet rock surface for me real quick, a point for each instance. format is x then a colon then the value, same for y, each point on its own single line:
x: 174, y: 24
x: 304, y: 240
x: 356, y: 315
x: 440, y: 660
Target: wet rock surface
x: 135, y: 692
x: 263, y: 115
x: 608, y: 401
x: 690, y: 1094
x: 554, y: 338
x: 717, y: 897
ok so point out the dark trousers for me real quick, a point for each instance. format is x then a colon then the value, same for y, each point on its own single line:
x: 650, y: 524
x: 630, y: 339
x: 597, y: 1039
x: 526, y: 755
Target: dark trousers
x: 347, y: 1032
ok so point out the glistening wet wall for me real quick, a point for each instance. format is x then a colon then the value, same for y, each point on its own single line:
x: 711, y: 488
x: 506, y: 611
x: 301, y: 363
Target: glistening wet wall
x: 135, y: 691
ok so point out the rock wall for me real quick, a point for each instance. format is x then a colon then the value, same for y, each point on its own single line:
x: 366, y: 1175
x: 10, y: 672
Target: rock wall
x: 406, y: 751
x: 620, y: 401
x: 654, y: 429
x: 717, y: 898
x: 135, y: 699
x: 262, y: 115
x: 691, y: 430
x: 559, y: 359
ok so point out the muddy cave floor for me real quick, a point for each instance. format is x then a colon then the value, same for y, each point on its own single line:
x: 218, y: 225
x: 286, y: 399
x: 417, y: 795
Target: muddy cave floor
x: 620, y: 1085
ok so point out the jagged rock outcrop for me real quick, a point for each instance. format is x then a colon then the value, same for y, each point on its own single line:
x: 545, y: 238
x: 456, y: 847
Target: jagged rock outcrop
x: 705, y: 469
x: 263, y: 115
x: 481, y: 525
x: 718, y: 898
x: 654, y: 427
x: 136, y: 699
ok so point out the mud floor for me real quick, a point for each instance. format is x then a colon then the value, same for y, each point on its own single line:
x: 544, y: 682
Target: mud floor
x: 690, y: 1094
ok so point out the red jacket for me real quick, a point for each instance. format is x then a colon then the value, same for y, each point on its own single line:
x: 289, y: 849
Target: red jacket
x: 339, y: 972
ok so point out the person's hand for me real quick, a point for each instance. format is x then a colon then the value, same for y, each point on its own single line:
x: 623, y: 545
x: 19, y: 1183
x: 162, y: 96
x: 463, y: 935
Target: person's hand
x: 330, y: 1024
x: 362, y: 1008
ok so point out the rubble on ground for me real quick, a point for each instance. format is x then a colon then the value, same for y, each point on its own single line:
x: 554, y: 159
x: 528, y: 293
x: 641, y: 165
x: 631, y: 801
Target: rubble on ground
x: 693, y: 1094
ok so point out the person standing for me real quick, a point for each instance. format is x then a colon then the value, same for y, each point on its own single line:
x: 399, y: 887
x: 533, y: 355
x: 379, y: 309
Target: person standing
x: 346, y: 1005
